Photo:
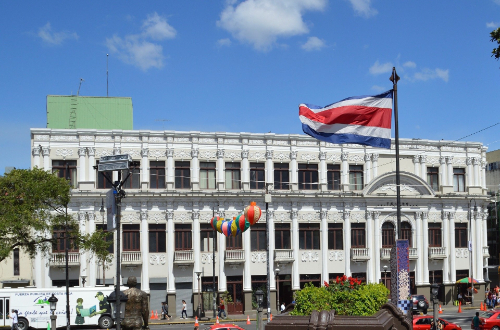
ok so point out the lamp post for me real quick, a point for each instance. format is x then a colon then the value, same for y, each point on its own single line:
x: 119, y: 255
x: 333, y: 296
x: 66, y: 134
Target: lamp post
x: 84, y: 280
x: 277, y: 272
x: 259, y: 296
x: 471, y: 278
x: 53, y: 304
x: 198, y: 273
x: 117, y: 309
x: 102, y: 212
x: 385, y: 275
x: 434, y: 294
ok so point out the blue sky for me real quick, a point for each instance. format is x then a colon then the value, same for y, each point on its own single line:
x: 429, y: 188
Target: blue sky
x: 244, y: 66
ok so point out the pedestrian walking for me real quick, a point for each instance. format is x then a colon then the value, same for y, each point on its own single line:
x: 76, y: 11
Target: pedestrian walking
x: 184, y: 310
x: 164, y: 311
x: 475, y: 321
x: 14, y: 318
x: 222, y: 308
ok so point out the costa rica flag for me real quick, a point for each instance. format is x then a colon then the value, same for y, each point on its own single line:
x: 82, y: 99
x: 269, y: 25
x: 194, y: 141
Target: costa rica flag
x: 362, y: 120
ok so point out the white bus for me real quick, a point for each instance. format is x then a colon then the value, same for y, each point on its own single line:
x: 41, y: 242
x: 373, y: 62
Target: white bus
x: 88, y: 306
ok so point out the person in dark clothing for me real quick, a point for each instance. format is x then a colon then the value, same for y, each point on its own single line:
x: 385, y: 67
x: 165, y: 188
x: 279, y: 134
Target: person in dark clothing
x: 164, y: 311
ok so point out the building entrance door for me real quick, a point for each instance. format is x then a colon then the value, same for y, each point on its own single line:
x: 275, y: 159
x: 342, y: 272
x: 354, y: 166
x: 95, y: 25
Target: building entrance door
x: 235, y: 295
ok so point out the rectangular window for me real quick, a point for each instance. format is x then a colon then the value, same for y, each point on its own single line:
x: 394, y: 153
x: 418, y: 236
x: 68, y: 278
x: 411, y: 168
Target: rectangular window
x: 102, y: 183
x: 355, y: 177
x: 131, y: 238
x: 460, y: 235
x: 157, y: 175
x: 434, y: 234
x: 282, y: 236
x: 62, y: 241
x: 258, y: 237
x: 281, y: 176
x: 308, y: 176
x: 335, y: 237
x: 134, y: 180
x: 358, y: 237
x: 182, y: 175
x: 207, y: 234
x: 183, y: 237
x: 315, y: 279
x: 309, y: 238
x: 333, y: 176
x: 234, y: 242
x: 16, y: 262
x: 109, y: 238
x: 65, y: 169
x: 157, y: 238
x: 433, y: 177
x: 207, y: 175
x: 257, y: 178
x: 459, y: 179
x: 233, y: 175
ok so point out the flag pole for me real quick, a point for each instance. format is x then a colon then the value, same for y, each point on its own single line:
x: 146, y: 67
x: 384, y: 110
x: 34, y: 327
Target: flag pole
x: 394, y: 78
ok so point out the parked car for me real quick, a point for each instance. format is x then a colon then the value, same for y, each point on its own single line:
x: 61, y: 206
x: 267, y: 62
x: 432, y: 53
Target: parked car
x: 223, y: 326
x: 489, y: 320
x: 422, y: 322
x: 420, y: 303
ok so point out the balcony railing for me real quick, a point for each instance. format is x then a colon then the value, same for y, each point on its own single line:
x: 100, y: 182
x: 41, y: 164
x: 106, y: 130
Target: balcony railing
x: 59, y: 259
x: 437, y: 252
x: 285, y: 255
x: 486, y: 252
x: 413, y: 253
x: 360, y: 254
x: 184, y: 257
x: 131, y: 257
x: 385, y: 253
x: 234, y: 256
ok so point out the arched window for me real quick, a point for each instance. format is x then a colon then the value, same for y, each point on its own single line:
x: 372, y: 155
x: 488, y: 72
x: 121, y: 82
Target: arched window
x: 406, y: 232
x: 388, y: 235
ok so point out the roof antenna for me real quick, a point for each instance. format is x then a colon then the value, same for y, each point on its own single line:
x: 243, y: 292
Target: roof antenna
x: 81, y: 80
x: 107, y: 58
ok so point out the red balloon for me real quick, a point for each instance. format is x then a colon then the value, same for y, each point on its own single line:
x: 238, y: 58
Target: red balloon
x: 252, y: 213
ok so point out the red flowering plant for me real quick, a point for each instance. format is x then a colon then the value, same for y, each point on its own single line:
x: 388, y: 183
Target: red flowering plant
x: 343, y: 283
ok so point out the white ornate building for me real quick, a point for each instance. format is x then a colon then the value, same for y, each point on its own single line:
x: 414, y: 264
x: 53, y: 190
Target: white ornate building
x: 332, y: 212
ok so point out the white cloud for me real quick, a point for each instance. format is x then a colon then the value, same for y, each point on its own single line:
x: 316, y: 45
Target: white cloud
x: 428, y: 74
x: 261, y: 22
x: 378, y: 68
x: 497, y: 2
x: 55, y: 38
x: 313, y: 43
x: 410, y: 64
x: 138, y: 49
x: 363, y: 8
x: 378, y: 88
x: 224, y: 42
x: 493, y: 25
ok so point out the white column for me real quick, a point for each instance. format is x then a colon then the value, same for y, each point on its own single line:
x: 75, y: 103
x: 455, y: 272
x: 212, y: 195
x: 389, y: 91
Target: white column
x: 442, y: 171
x: 82, y: 217
x: 322, y: 172
x: 195, y: 170
x: 295, y: 247
x: 423, y: 172
x: 477, y: 182
x: 144, y: 166
x: 347, y: 239
x: 220, y: 169
x: 170, y: 170
x: 92, y: 264
x: 39, y: 266
x: 170, y: 251
x: 345, y: 172
x: 269, y: 173
x: 145, y: 251
x: 293, y: 170
x: 376, y: 245
x: 416, y: 164
x: 479, y: 246
x: 36, y: 157
x: 369, y: 243
x: 47, y: 282
x: 446, y: 265
x: 247, y: 275
x: 245, y: 170
x: 418, y: 239
x: 474, y: 245
x: 368, y: 168
x: 425, y: 258
x: 453, y: 272
x: 449, y: 162
x: 196, y: 241
x: 46, y: 158
x: 91, y: 152
x: 483, y: 174
x: 484, y: 241
x: 221, y: 248
x: 324, y: 247
x: 375, y: 165
x: 82, y: 168
x: 272, y: 279
x: 469, y: 174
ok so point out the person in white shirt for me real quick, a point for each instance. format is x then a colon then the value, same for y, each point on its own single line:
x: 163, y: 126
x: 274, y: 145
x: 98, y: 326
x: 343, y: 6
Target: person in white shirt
x: 13, y: 316
x: 282, y: 307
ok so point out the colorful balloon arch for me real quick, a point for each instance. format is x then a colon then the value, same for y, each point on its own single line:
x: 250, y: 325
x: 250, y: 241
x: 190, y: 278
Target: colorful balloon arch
x: 240, y: 223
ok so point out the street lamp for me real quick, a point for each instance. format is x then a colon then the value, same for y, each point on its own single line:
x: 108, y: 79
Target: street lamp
x: 277, y: 272
x: 116, y: 304
x: 385, y: 275
x: 259, y: 296
x: 471, y: 278
x: 198, y: 273
x: 102, y: 212
x: 53, y: 305
x: 434, y: 294
x: 84, y: 280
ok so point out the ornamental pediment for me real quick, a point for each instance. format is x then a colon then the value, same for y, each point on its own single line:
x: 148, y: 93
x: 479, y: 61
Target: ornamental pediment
x: 410, y: 185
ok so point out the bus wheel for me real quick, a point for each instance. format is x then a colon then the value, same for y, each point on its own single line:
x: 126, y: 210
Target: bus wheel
x: 23, y: 324
x: 105, y: 322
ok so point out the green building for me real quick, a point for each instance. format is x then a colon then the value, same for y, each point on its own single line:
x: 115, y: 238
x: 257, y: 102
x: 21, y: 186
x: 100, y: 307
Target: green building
x: 75, y: 112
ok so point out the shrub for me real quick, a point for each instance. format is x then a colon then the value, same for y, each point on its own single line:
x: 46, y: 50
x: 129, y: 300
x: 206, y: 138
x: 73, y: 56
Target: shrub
x: 347, y: 296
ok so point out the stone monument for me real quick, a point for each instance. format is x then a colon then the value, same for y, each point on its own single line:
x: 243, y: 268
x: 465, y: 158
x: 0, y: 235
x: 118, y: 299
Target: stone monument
x: 136, y: 307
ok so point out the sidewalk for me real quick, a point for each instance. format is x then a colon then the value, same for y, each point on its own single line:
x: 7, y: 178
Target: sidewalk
x: 178, y: 320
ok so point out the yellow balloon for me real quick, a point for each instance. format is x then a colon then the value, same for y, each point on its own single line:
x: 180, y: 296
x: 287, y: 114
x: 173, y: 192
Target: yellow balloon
x: 219, y: 225
x: 234, y: 228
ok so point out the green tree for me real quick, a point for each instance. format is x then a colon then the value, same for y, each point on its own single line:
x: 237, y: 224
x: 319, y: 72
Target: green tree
x: 495, y: 37
x: 32, y: 204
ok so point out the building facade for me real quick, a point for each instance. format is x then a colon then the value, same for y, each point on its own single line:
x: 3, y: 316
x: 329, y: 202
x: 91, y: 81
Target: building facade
x: 332, y: 212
